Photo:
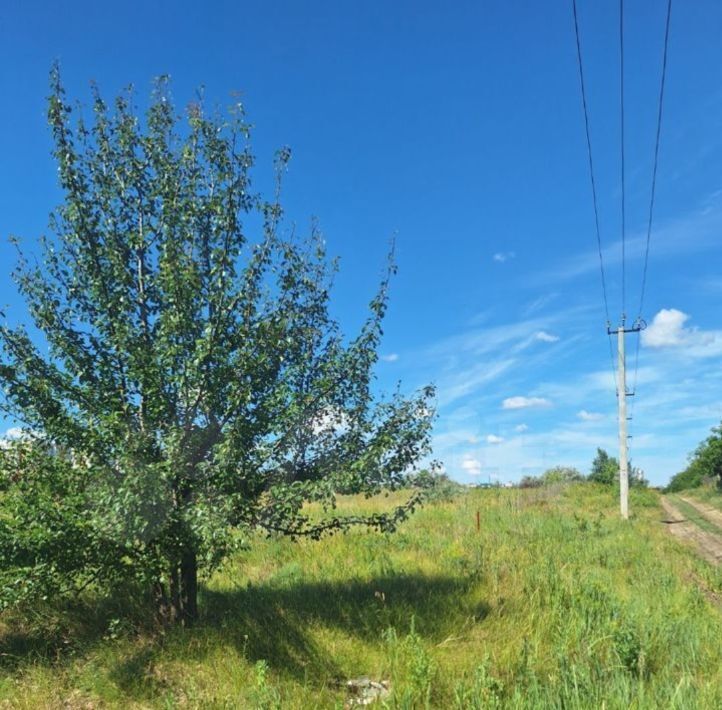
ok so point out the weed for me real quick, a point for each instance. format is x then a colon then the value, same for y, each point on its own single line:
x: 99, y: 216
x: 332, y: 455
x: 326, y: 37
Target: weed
x: 482, y: 692
x: 266, y: 696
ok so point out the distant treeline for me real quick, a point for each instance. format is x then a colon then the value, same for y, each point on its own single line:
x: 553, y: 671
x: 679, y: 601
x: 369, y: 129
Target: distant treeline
x: 605, y: 470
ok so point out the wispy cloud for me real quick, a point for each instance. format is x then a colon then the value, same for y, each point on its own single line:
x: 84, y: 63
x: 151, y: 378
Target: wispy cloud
x: 697, y: 230
x: 391, y: 357
x: 502, y: 256
x: 711, y: 284
x: 586, y: 416
x: 539, y: 303
x: 501, y: 338
x: 524, y: 402
x: 521, y: 428
x: 545, y: 337
x: 493, y: 439
x: 466, y: 380
x: 463, y: 364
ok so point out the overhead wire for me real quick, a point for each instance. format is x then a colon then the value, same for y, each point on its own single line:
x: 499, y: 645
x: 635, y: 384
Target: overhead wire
x: 623, y: 177
x: 592, y: 179
x: 624, y: 194
x: 653, y: 190
x: 656, y: 156
x: 621, y: 112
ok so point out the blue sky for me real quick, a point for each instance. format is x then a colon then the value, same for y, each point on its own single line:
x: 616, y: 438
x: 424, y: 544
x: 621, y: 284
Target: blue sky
x: 456, y: 128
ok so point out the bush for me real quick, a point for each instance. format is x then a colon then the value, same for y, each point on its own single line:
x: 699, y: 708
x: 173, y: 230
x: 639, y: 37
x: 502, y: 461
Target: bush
x: 557, y: 474
x: 530, y: 482
x: 438, y: 486
x: 561, y: 474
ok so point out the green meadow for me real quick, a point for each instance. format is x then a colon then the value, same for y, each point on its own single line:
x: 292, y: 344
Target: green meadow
x: 552, y: 602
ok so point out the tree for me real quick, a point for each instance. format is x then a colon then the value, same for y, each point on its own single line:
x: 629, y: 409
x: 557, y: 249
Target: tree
x: 193, y: 383
x: 530, y: 482
x: 704, y: 463
x: 561, y: 474
x: 636, y: 477
x: 709, y: 455
x: 605, y: 468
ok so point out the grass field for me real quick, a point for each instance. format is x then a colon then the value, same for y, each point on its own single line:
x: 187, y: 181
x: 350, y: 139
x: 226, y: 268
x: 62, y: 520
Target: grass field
x: 554, y: 602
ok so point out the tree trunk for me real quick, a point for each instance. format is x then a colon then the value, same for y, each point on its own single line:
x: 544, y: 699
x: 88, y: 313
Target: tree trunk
x: 179, y: 604
x: 189, y: 587
x: 175, y: 594
x: 161, y: 601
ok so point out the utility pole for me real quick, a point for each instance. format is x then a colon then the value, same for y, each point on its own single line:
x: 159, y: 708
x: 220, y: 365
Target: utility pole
x: 622, y: 395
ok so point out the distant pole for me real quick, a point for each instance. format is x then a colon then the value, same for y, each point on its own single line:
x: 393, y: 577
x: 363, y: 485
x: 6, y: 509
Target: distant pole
x: 622, y: 402
x: 622, y: 395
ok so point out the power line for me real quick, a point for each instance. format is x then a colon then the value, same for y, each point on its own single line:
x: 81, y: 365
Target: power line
x: 621, y: 105
x: 592, y: 180
x: 621, y: 331
x: 656, y: 154
x: 639, y: 324
x: 654, y: 185
x: 591, y: 162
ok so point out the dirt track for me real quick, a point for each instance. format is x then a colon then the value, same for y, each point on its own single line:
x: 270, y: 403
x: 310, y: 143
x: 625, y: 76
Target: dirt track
x: 706, y: 511
x: 708, y: 545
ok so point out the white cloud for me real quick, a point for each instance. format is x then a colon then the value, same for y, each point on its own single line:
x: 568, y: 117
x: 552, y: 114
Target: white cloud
x: 668, y: 330
x: 546, y: 337
x: 521, y: 428
x: 586, y: 416
x: 492, y: 439
x: 524, y: 402
x: 471, y: 466
x: 14, y: 432
x: 502, y: 256
x: 391, y: 357
x: 473, y: 439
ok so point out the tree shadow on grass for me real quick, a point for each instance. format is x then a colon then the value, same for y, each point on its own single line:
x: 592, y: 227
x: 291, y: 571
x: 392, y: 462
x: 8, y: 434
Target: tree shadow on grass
x: 53, y: 633
x: 272, y: 622
x: 363, y: 608
x: 269, y: 622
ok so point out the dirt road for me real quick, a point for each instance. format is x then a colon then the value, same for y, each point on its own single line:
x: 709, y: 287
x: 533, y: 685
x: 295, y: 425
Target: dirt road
x: 708, y: 545
x: 706, y: 511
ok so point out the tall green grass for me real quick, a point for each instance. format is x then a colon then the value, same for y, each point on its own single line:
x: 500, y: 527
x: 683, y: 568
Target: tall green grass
x: 555, y: 602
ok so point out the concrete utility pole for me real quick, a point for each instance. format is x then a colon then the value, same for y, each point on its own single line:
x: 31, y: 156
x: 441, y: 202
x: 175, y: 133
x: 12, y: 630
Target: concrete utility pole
x: 622, y: 395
